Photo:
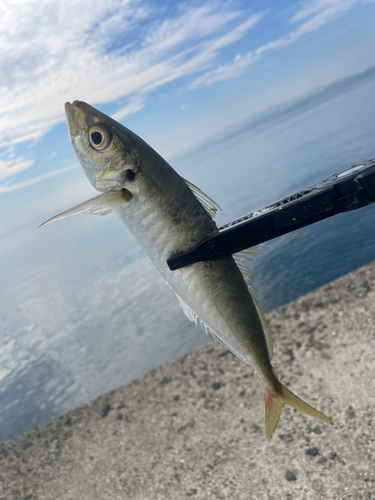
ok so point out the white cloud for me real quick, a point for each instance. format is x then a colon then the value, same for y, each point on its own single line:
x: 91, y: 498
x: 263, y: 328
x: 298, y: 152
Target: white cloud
x: 51, y: 53
x: 323, y: 11
x: 208, y: 52
x: 314, y: 7
x: 8, y: 168
x: 200, y: 22
x: 225, y: 72
x: 135, y: 105
x: 35, y: 180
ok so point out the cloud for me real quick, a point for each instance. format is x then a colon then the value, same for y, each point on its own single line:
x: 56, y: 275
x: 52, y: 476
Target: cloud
x: 323, y: 11
x: 8, y: 168
x: 225, y: 72
x: 135, y: 105
x: 208, y: 52
x: 35, y: 180
x: 50, y: 53
x: 315, y: 7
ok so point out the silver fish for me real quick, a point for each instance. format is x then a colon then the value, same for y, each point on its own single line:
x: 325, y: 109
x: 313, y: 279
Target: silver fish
x: 166, y: 214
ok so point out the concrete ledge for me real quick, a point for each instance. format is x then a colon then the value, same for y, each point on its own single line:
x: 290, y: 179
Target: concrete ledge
x: 193, y: 428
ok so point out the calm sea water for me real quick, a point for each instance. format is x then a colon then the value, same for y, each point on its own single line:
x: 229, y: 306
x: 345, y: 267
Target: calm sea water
x: 86, y: 312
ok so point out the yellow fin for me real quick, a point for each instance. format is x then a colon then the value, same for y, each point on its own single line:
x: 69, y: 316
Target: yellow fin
x: 208, y: 203
x: 274, y: 405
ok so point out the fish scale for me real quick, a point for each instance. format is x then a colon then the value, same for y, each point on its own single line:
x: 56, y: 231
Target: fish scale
x: 167, y: 215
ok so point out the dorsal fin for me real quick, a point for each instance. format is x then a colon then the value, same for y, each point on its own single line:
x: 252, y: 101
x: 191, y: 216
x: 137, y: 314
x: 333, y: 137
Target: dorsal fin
x: 267, y: 333
x: 243, y: 267
x: 208, y: 203
x: 240, y: 259
x: 248, y: 252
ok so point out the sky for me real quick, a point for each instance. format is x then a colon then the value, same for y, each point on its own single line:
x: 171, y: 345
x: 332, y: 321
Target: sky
x: 174, y: 72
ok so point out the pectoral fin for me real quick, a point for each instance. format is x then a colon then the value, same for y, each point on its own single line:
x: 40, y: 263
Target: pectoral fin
x: 104, y: 204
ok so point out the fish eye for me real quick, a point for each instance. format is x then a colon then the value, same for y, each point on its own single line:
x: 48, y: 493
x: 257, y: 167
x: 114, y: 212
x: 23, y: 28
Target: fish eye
x: 99, y: 137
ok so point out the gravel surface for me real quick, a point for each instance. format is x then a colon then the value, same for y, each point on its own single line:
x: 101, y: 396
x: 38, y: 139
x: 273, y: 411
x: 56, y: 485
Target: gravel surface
x: 193, y: 428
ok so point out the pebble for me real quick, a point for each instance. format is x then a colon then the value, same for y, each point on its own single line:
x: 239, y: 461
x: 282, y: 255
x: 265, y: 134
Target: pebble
x: 317, y: 429
x: 289, y: 476
x: 350, y: 413
x: 105, y: 410
x: 312, y: 451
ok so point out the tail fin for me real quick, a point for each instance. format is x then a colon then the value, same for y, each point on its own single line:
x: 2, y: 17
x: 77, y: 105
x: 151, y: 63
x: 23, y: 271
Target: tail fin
x: 275, y: 403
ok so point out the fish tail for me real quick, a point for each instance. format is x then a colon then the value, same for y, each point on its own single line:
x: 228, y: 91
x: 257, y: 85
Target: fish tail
x: 275, y: 403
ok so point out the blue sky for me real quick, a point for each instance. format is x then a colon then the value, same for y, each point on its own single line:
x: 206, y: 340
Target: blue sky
x: 174, y: 72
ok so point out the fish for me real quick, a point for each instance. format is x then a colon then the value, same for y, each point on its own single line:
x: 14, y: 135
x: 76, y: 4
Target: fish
x: 168, y: 215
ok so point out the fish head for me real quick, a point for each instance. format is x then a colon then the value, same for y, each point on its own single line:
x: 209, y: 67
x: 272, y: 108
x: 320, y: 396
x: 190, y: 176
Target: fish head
x: 131, y: 176
x: 110, y: 154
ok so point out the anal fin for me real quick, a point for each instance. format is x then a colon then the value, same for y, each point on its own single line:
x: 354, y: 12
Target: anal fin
x: 190, y: 314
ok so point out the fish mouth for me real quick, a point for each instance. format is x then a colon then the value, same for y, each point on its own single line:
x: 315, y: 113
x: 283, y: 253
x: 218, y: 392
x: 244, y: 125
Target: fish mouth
x: 70, y: 119
x: 79, y: 116
x: 76, y: 115
x: 67, y: 108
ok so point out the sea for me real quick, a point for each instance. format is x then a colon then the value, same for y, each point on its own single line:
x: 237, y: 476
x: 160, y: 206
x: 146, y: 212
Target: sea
x: 88, y: 312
